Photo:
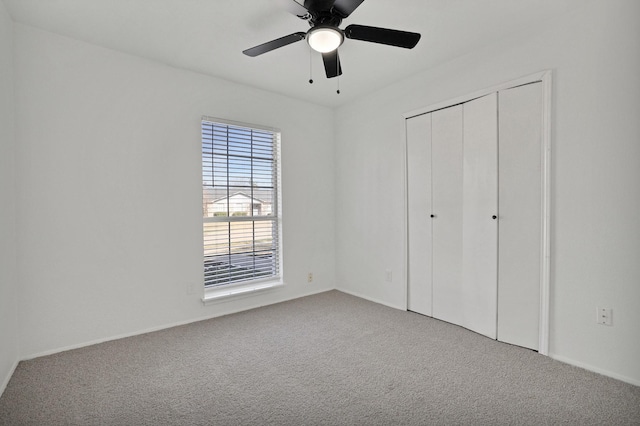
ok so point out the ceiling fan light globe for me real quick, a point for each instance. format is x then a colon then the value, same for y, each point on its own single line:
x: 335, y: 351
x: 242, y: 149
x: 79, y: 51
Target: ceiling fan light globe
x: 324, y: 39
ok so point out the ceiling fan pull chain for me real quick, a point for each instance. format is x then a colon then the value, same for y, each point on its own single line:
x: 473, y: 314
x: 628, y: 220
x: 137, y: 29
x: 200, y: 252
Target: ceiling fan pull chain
x: 310, y: 66
x: 338, y: 74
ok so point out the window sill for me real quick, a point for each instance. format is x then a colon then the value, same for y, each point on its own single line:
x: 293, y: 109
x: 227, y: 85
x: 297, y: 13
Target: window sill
x: 224, y: 294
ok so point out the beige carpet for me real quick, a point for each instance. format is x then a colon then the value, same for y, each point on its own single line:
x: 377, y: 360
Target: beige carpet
x: 328, y: 359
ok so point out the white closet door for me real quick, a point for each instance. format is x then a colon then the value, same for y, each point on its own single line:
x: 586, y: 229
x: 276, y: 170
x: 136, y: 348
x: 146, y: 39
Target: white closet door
x: 419, y: 210
x: 480, y: 205
x: 520, y: 215
x: 447, y: 210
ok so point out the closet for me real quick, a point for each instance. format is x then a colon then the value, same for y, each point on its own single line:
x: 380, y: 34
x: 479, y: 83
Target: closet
x: 475, y: 213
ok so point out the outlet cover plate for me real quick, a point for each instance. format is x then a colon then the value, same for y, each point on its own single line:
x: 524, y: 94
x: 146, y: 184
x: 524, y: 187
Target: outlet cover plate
x: 605, y: 316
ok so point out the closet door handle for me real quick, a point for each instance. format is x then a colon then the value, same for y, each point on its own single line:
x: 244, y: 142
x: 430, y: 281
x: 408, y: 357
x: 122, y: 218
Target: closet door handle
x: 494, y: 217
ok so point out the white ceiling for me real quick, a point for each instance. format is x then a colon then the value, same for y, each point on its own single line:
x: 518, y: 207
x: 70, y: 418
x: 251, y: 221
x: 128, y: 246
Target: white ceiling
x: 208, y: 36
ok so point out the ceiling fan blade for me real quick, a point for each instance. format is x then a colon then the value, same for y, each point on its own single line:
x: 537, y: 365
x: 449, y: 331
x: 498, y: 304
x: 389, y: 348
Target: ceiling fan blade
x: 292, y: 7
x: 318, y: 5
x: 274, y: 44
x: 332, y: 64
x: 345, y: 8
x: 382, y: 35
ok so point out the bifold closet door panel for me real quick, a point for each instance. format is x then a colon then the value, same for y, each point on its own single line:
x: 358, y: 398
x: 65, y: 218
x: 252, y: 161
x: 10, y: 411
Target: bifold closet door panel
x: 520, y: 237
x: 479, y: 221
x: 419, y: 211
x: 446, y: 143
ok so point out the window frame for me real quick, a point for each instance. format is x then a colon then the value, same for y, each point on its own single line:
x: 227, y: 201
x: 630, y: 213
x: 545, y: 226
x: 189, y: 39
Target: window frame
x: 247, y: 287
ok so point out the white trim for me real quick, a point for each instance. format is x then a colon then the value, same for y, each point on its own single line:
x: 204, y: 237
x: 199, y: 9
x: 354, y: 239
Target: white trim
x: 167, y: 326
x: 593, y: 369
x: 531, y: 78
x: 405, y: 217
x: 212, y: 295
x: 371, y: 299
x: 6, y: 380
x: 232, y: 123
x: 545, y: 267
x: 545, y: 77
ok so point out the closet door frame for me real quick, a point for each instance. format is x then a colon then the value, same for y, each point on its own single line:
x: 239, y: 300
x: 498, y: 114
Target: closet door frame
x: 544, y: 77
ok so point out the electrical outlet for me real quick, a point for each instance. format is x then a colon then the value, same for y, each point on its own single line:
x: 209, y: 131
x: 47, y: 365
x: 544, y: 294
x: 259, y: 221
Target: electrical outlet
x: 310, y: 277
x: 191, y: 288
x: 388, y: 275
x: 605, y: 316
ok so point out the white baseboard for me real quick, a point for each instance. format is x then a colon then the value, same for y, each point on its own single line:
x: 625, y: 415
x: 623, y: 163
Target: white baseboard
x: 165, y: 326
x: 560, y: 358
x: 5, y: 381
x: 595, y: 369
x: 371, y: 299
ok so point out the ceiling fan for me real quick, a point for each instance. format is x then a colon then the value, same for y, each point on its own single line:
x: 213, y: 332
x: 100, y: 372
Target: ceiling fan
x: 325, y: 36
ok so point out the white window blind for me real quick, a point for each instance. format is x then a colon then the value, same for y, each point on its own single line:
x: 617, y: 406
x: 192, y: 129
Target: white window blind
x: 240, y: 203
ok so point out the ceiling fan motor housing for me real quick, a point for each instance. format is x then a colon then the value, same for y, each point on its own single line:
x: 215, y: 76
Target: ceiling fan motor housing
x: 325, y: 18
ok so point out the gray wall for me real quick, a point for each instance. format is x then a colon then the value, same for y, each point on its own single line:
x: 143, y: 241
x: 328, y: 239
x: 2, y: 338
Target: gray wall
x: 109, y: 191
x: 8, y: 270
x: 594, y: 54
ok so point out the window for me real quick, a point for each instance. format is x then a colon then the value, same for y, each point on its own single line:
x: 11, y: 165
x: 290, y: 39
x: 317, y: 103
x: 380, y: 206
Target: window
x: 240, y: 206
